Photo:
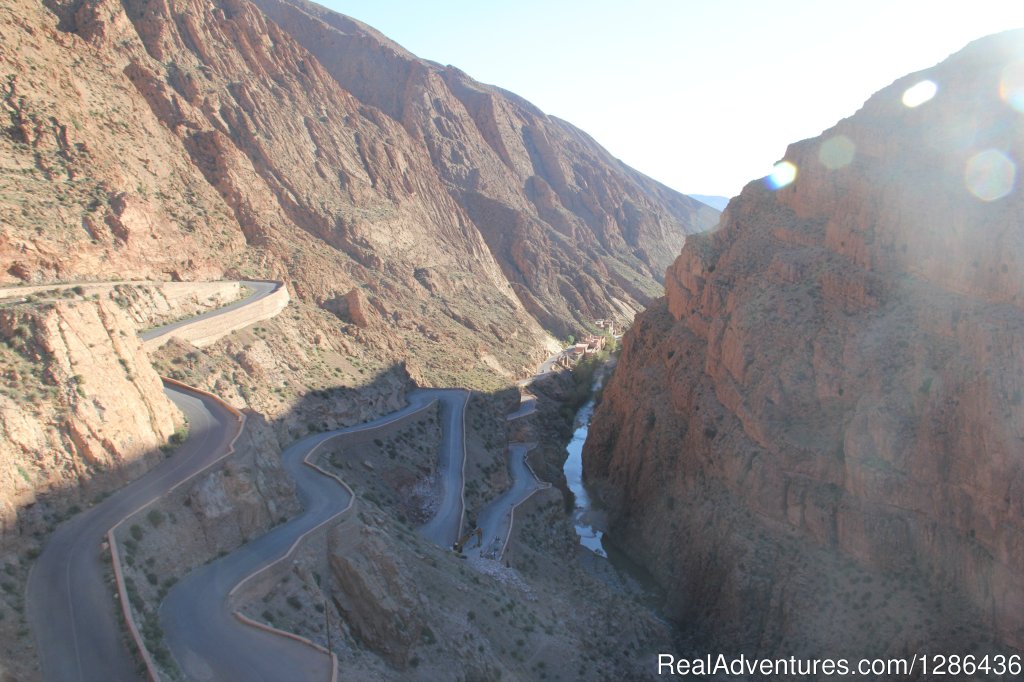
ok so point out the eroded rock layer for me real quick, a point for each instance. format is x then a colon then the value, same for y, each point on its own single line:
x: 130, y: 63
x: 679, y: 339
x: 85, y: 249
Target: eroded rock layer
x: 815, y: 440
x: 541, y: 192
x: 81, y: 407
x: 190, y: 139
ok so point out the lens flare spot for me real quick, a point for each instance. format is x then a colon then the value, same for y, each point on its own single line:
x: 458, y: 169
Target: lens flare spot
x: 1011, y: 85
x: 783, y: 173
x: 837, y: 152
x: 918, y: 94
x: 990, y: 175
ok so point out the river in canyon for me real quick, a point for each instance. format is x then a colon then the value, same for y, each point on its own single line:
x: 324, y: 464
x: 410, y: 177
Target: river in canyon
x: 586, y: 519
x: 590, y: 519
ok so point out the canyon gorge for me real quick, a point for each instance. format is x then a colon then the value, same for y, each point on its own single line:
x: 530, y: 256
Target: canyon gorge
x: 810, y: 443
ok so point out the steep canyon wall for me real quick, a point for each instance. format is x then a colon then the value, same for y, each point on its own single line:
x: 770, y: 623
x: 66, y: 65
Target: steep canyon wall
x: 815, y: 440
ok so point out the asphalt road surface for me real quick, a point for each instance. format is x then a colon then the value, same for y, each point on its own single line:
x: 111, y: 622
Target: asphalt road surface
x: 71, y: 607
x: 543, y: 368
x: 446, y: 525
x: 493, y: 519
x: 527, y: 406
x: 205, y: 638
x: 259, y: 290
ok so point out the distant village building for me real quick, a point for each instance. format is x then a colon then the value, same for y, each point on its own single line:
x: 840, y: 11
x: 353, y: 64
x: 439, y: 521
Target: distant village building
x: 588, y: 345
x: 572, y: 355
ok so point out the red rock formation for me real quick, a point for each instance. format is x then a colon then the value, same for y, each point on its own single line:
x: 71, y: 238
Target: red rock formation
x: 81, y: 407
x: 541, y: 192
x: 186, y: 141
x: 320, y: 152
x: 815, y: 441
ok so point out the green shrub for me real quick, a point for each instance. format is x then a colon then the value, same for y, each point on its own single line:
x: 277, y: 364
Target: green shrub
x: 155, y: 518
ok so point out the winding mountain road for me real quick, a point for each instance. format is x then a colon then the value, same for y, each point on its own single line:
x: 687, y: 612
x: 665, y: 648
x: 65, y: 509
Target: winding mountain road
x: 200, y: 628
x: 259, y: 289
x: 495, y: 519
x: 70, y: 607
x: 527, y: 406
x: 446, y: 525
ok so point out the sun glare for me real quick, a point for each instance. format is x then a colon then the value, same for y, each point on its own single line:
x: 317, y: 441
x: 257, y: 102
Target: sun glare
x: 990, y: 175
x: 919, y: 93
x: 837, y: 152
x: 1011, y: 85
x: 783, y: 173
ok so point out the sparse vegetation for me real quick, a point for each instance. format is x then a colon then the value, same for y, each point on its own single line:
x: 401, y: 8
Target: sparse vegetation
x: 155, y: 517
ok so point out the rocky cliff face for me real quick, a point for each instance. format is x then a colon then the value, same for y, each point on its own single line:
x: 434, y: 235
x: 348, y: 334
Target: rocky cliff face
x: 81, y: 406
x: 187, y: 140
x: 542, y: 193
x: 814, y: 441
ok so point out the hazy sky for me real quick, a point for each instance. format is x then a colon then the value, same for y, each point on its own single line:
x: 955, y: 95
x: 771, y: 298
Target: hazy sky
x: 703, y: 96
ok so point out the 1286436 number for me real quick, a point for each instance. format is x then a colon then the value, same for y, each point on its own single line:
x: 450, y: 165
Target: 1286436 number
x: 969, y: 664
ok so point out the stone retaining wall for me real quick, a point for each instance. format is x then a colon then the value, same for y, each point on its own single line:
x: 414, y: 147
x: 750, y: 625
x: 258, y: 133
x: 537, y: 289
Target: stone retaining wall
x: 209, y: 330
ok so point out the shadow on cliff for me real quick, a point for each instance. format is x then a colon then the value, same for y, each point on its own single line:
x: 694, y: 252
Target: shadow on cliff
x: 315, y: 411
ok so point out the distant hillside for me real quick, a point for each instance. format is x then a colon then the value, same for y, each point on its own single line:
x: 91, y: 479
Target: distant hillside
x: 717, y: 203
x: 205, y: 147
x: 577, y: 233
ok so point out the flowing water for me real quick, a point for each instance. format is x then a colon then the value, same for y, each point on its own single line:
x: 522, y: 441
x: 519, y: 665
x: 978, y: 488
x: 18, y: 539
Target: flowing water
x: 590, y: 520
x: 585, y: 517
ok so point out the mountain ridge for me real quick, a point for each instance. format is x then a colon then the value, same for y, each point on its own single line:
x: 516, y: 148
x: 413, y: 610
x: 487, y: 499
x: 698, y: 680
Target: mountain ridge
x: 519, y: 158
x: 716, y: 202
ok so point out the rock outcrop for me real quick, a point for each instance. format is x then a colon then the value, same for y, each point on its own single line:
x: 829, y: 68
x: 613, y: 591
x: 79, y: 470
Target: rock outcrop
x: 373, y: 590
x: 81, y: 406
x: 814, y: 440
